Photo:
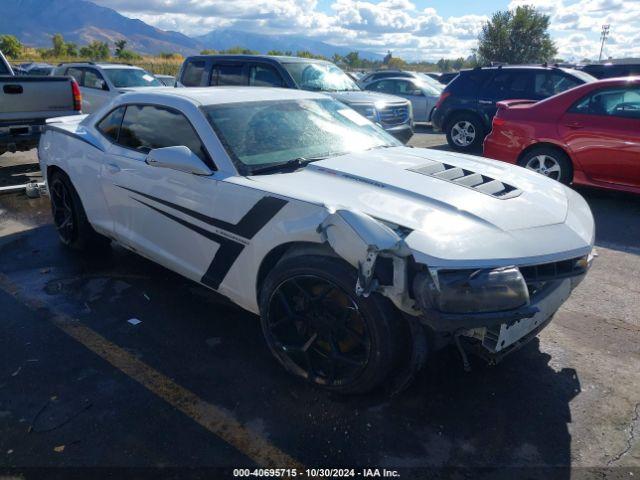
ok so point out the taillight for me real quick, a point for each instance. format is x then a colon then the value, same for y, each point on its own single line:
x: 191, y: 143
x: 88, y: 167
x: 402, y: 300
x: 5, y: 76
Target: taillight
x: 77, y: 96
x: 498, y: 122
x: 443, y: 97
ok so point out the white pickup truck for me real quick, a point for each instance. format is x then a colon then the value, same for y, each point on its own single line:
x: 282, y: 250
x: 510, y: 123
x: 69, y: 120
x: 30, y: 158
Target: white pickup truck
x: 26, y: 102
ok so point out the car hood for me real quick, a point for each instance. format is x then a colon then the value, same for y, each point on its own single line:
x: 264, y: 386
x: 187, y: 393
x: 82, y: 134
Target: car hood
x: 358, y: 96
x: 530, y: 218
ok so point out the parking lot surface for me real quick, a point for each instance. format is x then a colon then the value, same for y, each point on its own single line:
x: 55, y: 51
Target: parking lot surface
x: 192, y: 384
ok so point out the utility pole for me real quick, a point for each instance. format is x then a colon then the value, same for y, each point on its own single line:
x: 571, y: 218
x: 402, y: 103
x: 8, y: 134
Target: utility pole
x: 603, y: 36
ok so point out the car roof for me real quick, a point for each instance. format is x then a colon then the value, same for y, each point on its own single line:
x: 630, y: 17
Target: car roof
x: 271, y: 58
x: 219, y: 95
x: 98, y: 64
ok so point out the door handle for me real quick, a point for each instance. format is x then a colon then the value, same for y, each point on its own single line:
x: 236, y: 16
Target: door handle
x: 113, y: 168
x: 485, y: 102
x: 574, y: 125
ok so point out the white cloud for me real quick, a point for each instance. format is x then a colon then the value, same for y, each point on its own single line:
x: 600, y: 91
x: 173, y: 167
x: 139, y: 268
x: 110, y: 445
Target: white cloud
x: 396, y: 25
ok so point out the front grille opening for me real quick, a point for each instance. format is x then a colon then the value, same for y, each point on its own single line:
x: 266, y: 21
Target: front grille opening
x: 554, y: 270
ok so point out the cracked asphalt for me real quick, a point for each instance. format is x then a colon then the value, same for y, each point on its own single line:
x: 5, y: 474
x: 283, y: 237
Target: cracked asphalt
x: 194, y: 386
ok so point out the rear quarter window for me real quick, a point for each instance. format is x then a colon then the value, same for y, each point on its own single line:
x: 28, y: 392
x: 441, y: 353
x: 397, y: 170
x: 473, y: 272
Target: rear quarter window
x: 194, y: 73
x: 109, y: 126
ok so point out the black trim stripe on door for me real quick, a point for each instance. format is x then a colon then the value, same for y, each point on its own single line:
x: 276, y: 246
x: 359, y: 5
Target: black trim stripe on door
x: 229, y: 250
x: 252, y: 222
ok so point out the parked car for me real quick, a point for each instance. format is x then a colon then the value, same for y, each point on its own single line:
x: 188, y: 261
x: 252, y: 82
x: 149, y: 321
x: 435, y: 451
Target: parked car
x: 380, y: 74
x: 167, y: 80
x: 610, y: 70
x: 442, y: 77
x: 467, y: 105
x: 393, y: 113
x: 38, y: 69
x: 27, y: 102
x: 352, y: 248
x: 100, y: 82
x: 589, y: 135
x: 423, y: 96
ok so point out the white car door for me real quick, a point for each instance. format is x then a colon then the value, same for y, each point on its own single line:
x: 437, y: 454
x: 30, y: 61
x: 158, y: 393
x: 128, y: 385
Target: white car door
x: 195, y: 225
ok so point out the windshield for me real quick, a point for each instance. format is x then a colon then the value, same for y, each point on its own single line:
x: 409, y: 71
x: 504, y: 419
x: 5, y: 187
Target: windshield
x: 256, y: 134
x: 131, y: 77
x: 324, y: 77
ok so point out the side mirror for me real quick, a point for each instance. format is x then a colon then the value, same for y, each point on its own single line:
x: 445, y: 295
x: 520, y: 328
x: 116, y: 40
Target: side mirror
x: 177, y: 158
x: 104, y: 85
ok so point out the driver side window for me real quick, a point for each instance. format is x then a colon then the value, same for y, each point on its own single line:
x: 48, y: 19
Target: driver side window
x: 93, y: 79
x: 386, y: 86
x: 145, y: 127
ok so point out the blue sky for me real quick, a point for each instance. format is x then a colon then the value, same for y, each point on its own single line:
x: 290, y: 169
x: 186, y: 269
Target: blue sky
x: 411, y: 29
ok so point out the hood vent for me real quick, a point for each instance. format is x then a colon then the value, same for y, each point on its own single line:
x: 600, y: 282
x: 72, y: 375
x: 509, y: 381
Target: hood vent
x: 467, y: 178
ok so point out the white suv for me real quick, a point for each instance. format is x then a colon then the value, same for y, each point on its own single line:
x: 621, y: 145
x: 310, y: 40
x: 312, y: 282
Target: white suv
x: 100, y: 82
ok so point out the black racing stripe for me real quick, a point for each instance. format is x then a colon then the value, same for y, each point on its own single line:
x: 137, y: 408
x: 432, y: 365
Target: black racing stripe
x: 252, y: 222
x: 226, y: 255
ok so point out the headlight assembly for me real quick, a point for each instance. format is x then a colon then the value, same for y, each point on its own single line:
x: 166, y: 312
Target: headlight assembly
x: 471, y: 291
x: 367, y: 111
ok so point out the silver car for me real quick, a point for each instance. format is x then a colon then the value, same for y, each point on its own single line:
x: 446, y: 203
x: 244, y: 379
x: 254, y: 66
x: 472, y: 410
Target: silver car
x: 422, y: 95
x: 101, y: 82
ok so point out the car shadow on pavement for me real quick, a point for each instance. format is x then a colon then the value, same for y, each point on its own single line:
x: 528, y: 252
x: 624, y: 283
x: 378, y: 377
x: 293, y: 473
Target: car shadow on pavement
x: 617, y: 217
x: 512, y: 415
x: 18, y: 174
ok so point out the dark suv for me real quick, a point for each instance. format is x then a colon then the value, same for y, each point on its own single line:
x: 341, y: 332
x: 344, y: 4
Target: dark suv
x: 393, y: 113
x: 467, y: 105
x: 608, y: 70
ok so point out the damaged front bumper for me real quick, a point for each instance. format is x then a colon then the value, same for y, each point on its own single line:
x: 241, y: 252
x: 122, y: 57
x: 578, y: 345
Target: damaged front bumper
x: 503, y: 317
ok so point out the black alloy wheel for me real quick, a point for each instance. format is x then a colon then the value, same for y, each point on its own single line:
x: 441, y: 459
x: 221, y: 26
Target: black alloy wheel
x: 318, y: 330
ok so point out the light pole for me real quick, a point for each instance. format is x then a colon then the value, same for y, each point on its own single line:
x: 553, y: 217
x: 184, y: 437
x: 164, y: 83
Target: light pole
x: 603, y: 37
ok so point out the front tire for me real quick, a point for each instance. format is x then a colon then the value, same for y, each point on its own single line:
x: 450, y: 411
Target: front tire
x: 549, y: 162
x: 465, y: 132
x: 69, y: 217
x: 319, y: 330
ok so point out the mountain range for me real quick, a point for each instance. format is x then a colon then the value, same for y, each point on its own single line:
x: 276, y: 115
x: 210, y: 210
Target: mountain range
x: 34, y: 22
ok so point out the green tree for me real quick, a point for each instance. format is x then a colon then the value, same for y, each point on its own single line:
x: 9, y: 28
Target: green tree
x: 337, y: 59
x: 96, y: 50
x: 10, y: 46
x: 71, y: 49
x: 59, y: 46
x: 208, y: 52
x: 120, y: 45
x: 275, y: 52
x: 516, y: 36
x: 352, y: 60
x: 239, y: 50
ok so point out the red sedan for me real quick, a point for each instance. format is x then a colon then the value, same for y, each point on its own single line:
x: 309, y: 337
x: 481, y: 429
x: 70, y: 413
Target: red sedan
x: 589, y: 135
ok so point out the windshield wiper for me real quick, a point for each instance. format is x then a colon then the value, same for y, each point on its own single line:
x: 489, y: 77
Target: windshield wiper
x: 294, y: 164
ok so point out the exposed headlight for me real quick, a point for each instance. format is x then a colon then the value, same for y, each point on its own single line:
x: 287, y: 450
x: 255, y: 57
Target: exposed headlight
x: 472, y: 291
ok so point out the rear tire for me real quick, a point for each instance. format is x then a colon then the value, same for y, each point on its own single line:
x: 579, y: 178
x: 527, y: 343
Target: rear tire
x: 319, y: 330
x: 465, y: 132
x: 550, y: 162
x: 69, y: 217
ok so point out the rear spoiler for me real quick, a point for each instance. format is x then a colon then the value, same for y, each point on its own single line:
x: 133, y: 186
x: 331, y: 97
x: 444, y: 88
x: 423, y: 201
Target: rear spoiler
x: 506, y: 104
x: 67, y: 119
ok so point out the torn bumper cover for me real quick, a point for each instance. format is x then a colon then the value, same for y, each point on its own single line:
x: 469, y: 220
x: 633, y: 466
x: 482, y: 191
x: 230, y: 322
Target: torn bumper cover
x: 497, y: 306
x: 360, y: 240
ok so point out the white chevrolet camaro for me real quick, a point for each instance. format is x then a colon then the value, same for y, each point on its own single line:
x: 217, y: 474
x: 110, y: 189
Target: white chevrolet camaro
x: 360, y: 255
